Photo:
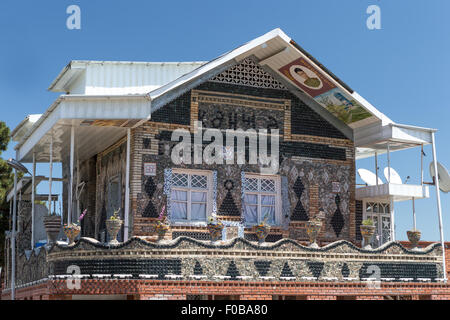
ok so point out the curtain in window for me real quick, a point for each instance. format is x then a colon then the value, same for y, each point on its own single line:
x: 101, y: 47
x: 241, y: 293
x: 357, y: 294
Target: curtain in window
x: 268, y: 208
x: 251, y: 208
x: 179, y: 204
x: 198, y: 209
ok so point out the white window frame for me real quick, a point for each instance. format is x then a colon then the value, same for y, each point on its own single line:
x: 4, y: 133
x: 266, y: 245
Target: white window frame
x: 380, y: 216
x: 189, y: 189
x: 277, y: 179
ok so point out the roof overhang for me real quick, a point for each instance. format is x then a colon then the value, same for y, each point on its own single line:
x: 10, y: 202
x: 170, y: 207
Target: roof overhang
x: 104, y: 120
x: 396, y: 192
x: 276, y: 51
x: 377, y: 139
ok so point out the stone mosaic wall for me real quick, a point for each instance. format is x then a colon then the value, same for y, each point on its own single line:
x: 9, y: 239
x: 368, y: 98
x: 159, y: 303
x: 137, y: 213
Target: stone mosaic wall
x: 313, y: 155
x: 284, y: 260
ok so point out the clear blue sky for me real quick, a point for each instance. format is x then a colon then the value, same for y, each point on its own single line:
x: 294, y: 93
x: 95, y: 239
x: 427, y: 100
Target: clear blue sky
x: 401, y: 69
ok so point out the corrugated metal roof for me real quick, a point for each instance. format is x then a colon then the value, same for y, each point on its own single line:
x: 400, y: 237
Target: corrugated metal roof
x: 118, y: 77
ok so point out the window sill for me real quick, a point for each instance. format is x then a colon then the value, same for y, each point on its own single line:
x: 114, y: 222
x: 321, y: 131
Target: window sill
x: 189, y: 223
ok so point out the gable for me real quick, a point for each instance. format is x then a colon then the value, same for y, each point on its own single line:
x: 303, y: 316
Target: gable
x: 250, y: 81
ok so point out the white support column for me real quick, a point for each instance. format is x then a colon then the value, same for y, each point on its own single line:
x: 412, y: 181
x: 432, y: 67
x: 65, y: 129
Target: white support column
x: 421, y: 165
x: 391, y: 208
x: 127, y: 188
x: 13, y: 240
x: 50, y: 175
x: 389, y: 162
x: 376, y: 167
x: 33, y: 198
x: 414, y: 214
x: 438, y: 198
x: 70, y: 186
x: 76, y: 189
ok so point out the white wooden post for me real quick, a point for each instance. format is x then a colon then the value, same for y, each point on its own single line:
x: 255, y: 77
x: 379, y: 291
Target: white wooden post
x: 391, y: 208
x: 389, y: 162
x: 33, y: 197
x: 70, y: 187
x: 50, y: 175
x: 13, y: 240
x: 127, y: 188
x: 376, y: 167
x: 438, y: 198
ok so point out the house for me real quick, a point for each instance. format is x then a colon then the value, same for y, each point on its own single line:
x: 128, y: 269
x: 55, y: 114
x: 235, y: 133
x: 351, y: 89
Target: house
x: 115, y: 127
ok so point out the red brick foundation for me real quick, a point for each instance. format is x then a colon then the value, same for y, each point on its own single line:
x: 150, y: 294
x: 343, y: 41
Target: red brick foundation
x: 179, y: 290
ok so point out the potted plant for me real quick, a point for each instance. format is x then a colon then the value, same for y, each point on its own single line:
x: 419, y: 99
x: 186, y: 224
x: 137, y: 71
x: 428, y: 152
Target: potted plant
x: 313, y: 227
x: 113, y: 225
x: 413, y: 237
x: 72, y: 230
x: 262, y: 229
x: 52, y: 224
x: 367, y: 230
x: 162, y: 225
x: 215, y: 228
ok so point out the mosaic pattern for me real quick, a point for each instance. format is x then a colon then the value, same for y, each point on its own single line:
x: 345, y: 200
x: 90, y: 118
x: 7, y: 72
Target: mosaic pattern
x: 248, y: 73
x: 343, y: 261
x: 150, y: 210
x: 337, y: 221
x: 299, y: 213
x: 214, y: 204
x: 168, y: 190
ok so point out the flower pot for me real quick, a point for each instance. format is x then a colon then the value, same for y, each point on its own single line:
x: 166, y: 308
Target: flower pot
x: 161, y: 230
x: 215, y: 230
x: 52, y: 226
x: 71, y: 231
x: 113, y: 228
x: 261, y: 232
x: 413, y: 237
x: 367, y: 234
x: 313, y: 229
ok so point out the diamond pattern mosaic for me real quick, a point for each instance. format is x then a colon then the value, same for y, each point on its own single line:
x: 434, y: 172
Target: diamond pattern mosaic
x: 248, y: 73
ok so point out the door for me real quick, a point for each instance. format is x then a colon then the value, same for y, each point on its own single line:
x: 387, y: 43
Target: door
x: 380, y: 214
x: 114, y: 202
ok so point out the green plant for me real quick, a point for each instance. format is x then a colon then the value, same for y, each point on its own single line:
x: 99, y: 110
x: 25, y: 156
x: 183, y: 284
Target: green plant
x: 115, y: 215
x: 367, y: 222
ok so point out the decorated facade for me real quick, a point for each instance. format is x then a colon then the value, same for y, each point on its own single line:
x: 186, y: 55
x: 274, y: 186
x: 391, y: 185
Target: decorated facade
x: 294, y: 233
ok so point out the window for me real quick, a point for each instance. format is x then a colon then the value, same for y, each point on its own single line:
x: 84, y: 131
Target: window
x: 261, y: 199
x: 381, y: 216
x: 190, y: 194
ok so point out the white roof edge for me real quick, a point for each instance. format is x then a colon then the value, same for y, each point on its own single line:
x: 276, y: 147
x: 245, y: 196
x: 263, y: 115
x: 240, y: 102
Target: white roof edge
x: 75, y: 97
x: 220, y: 60
x: 82, y: 64
x: 29, y: 118
x: 410, y: 127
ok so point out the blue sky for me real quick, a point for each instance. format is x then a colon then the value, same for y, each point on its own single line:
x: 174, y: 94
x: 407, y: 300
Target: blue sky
x: 401, y: 69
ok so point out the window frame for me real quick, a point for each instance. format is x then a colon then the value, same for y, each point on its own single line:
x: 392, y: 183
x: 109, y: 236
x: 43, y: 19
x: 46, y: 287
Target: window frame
x: 189, y: 190
x: 259, y: 193
x: 379, y: 219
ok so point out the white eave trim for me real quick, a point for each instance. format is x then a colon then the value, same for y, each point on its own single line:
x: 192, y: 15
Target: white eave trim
x: 84, y: 107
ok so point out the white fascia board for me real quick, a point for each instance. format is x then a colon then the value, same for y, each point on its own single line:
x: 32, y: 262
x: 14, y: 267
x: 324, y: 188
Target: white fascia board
x: 219, y: 61
x: 22, y: 128
x: 68, y: 74
x: 85, y: 107
x: 412, y: 135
